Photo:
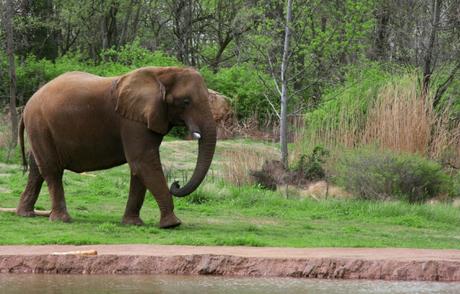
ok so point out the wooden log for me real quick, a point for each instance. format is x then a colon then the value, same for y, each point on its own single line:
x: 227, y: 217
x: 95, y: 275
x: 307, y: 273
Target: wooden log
x: 45, y: 213
x: 79, y: 252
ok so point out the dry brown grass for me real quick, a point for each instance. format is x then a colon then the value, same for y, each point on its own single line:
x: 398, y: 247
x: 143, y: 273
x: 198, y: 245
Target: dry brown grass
x: 5, y: 131
x: 399, y: 119
x: 403, y: 121
x: 238, y: 163
x: 342, y: 131
x: 445, y: 140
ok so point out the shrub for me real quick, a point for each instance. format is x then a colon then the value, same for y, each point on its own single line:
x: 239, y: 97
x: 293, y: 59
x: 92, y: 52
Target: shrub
x: 310, y: 166
x: 178, y: 132
x: 134, y: 56
x: 31, y: 73
x: 242, y: 85
x: 372, y: 174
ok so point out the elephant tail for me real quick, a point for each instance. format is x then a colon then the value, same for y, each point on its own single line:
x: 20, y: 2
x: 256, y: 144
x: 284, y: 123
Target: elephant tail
x: 21, y: 142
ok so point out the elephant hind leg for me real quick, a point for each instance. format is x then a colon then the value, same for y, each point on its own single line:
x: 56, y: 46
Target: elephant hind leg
x: 30, y: 195
x: 135, y: 200
x: 58, y: 205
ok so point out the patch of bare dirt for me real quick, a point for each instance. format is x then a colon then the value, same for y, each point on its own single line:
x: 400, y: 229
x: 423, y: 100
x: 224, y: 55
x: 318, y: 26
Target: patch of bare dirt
x: 323, y: 189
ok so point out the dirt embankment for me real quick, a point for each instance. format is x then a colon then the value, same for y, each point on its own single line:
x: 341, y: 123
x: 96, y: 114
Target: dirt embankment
x: 328, y: 263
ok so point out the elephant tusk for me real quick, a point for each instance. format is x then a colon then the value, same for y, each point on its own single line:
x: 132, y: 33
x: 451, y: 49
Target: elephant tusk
x: 196, y: 135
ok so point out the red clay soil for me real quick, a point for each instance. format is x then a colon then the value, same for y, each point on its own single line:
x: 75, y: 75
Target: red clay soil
x: 326, y: 263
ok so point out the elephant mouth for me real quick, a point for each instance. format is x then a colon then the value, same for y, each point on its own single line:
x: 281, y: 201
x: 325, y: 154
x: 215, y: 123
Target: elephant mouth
x: 193, y: 132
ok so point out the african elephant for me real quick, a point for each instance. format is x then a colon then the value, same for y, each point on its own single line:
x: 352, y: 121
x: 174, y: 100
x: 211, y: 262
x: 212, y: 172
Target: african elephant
x: 83, y: 122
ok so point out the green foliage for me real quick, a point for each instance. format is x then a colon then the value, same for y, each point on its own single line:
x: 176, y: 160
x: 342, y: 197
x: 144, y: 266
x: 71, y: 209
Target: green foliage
x: 242, y: 84
x: 341, y: 117
x: 11, y: 156
x: 134, y: 56
x: 198, y: 197
x: 178, y: 132
x: 33, y: 73
x: 374, y: 174
x: 456, y: 185
x: 350, y: 100
x: 311, y: 165
x: 451, y: 98
x: 109, y: 228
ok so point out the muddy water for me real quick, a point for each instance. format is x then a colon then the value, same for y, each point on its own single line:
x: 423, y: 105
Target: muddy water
x: 80, y: 284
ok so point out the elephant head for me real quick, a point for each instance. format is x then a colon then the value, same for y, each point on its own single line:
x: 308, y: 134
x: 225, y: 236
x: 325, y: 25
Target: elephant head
x: 164, y: 97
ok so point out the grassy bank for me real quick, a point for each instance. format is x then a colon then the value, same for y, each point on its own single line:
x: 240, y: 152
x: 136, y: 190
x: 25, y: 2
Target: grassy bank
x: 221, y: 214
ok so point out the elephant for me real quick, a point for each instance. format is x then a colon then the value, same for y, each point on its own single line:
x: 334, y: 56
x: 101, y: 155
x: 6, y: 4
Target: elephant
x: 83, y: 122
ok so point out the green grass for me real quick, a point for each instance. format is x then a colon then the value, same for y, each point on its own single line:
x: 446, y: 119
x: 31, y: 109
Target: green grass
x: 221, y: 214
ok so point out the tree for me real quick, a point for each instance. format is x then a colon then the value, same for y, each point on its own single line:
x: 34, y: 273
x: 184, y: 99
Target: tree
x: 428, y: 58
x: 35, y: 29
x: 7, y: 20
x: 186, y: 15
x: 323, y: 38
x: 284, y: 87
x: 228, y: 21
x: 423, y: 34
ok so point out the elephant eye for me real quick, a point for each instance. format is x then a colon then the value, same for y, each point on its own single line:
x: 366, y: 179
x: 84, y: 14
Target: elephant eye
x: 186, y: 102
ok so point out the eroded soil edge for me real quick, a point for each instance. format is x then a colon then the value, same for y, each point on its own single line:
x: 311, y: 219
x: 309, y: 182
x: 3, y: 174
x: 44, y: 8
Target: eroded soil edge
x: 226, y: 265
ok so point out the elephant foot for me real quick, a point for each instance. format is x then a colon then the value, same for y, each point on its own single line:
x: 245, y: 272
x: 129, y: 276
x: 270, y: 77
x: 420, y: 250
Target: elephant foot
x: 169, y: 221
x: 132, y: 220
x: 25, y: 212
x: 60, y: 216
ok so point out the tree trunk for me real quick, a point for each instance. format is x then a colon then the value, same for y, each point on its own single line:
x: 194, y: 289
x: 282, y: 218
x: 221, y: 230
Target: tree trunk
x: 135, y: 23
x: 381, y: 35
x: 9, y: 12
x: 124, y: 29
x: 428, y: 66
x: 104, y: 33
x: 284, y: 95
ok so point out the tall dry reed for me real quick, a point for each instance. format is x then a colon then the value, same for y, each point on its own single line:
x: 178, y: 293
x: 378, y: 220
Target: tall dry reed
x: 341, y: 129
x: 400, y: 120
x: 397, y: 118
x: 239, y: 162
x: 5, y: 131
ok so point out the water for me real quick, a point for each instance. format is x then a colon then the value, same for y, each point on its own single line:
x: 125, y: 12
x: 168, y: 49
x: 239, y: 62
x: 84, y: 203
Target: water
x: 32, y: 284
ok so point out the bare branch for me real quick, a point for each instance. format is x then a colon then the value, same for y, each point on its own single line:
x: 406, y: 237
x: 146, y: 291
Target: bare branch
x: 273, y: 106
x: 272, y: 71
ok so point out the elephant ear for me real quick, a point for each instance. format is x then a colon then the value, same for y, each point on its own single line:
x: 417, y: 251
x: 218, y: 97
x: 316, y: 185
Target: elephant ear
x: 141, y: 97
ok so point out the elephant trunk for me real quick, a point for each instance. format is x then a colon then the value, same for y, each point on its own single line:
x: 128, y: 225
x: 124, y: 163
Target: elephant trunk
x: 206, y: 147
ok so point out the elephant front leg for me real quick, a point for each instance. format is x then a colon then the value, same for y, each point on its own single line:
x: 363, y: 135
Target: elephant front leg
x: 157, y: 185
x: 151, y: 173
x: 135, y: 200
